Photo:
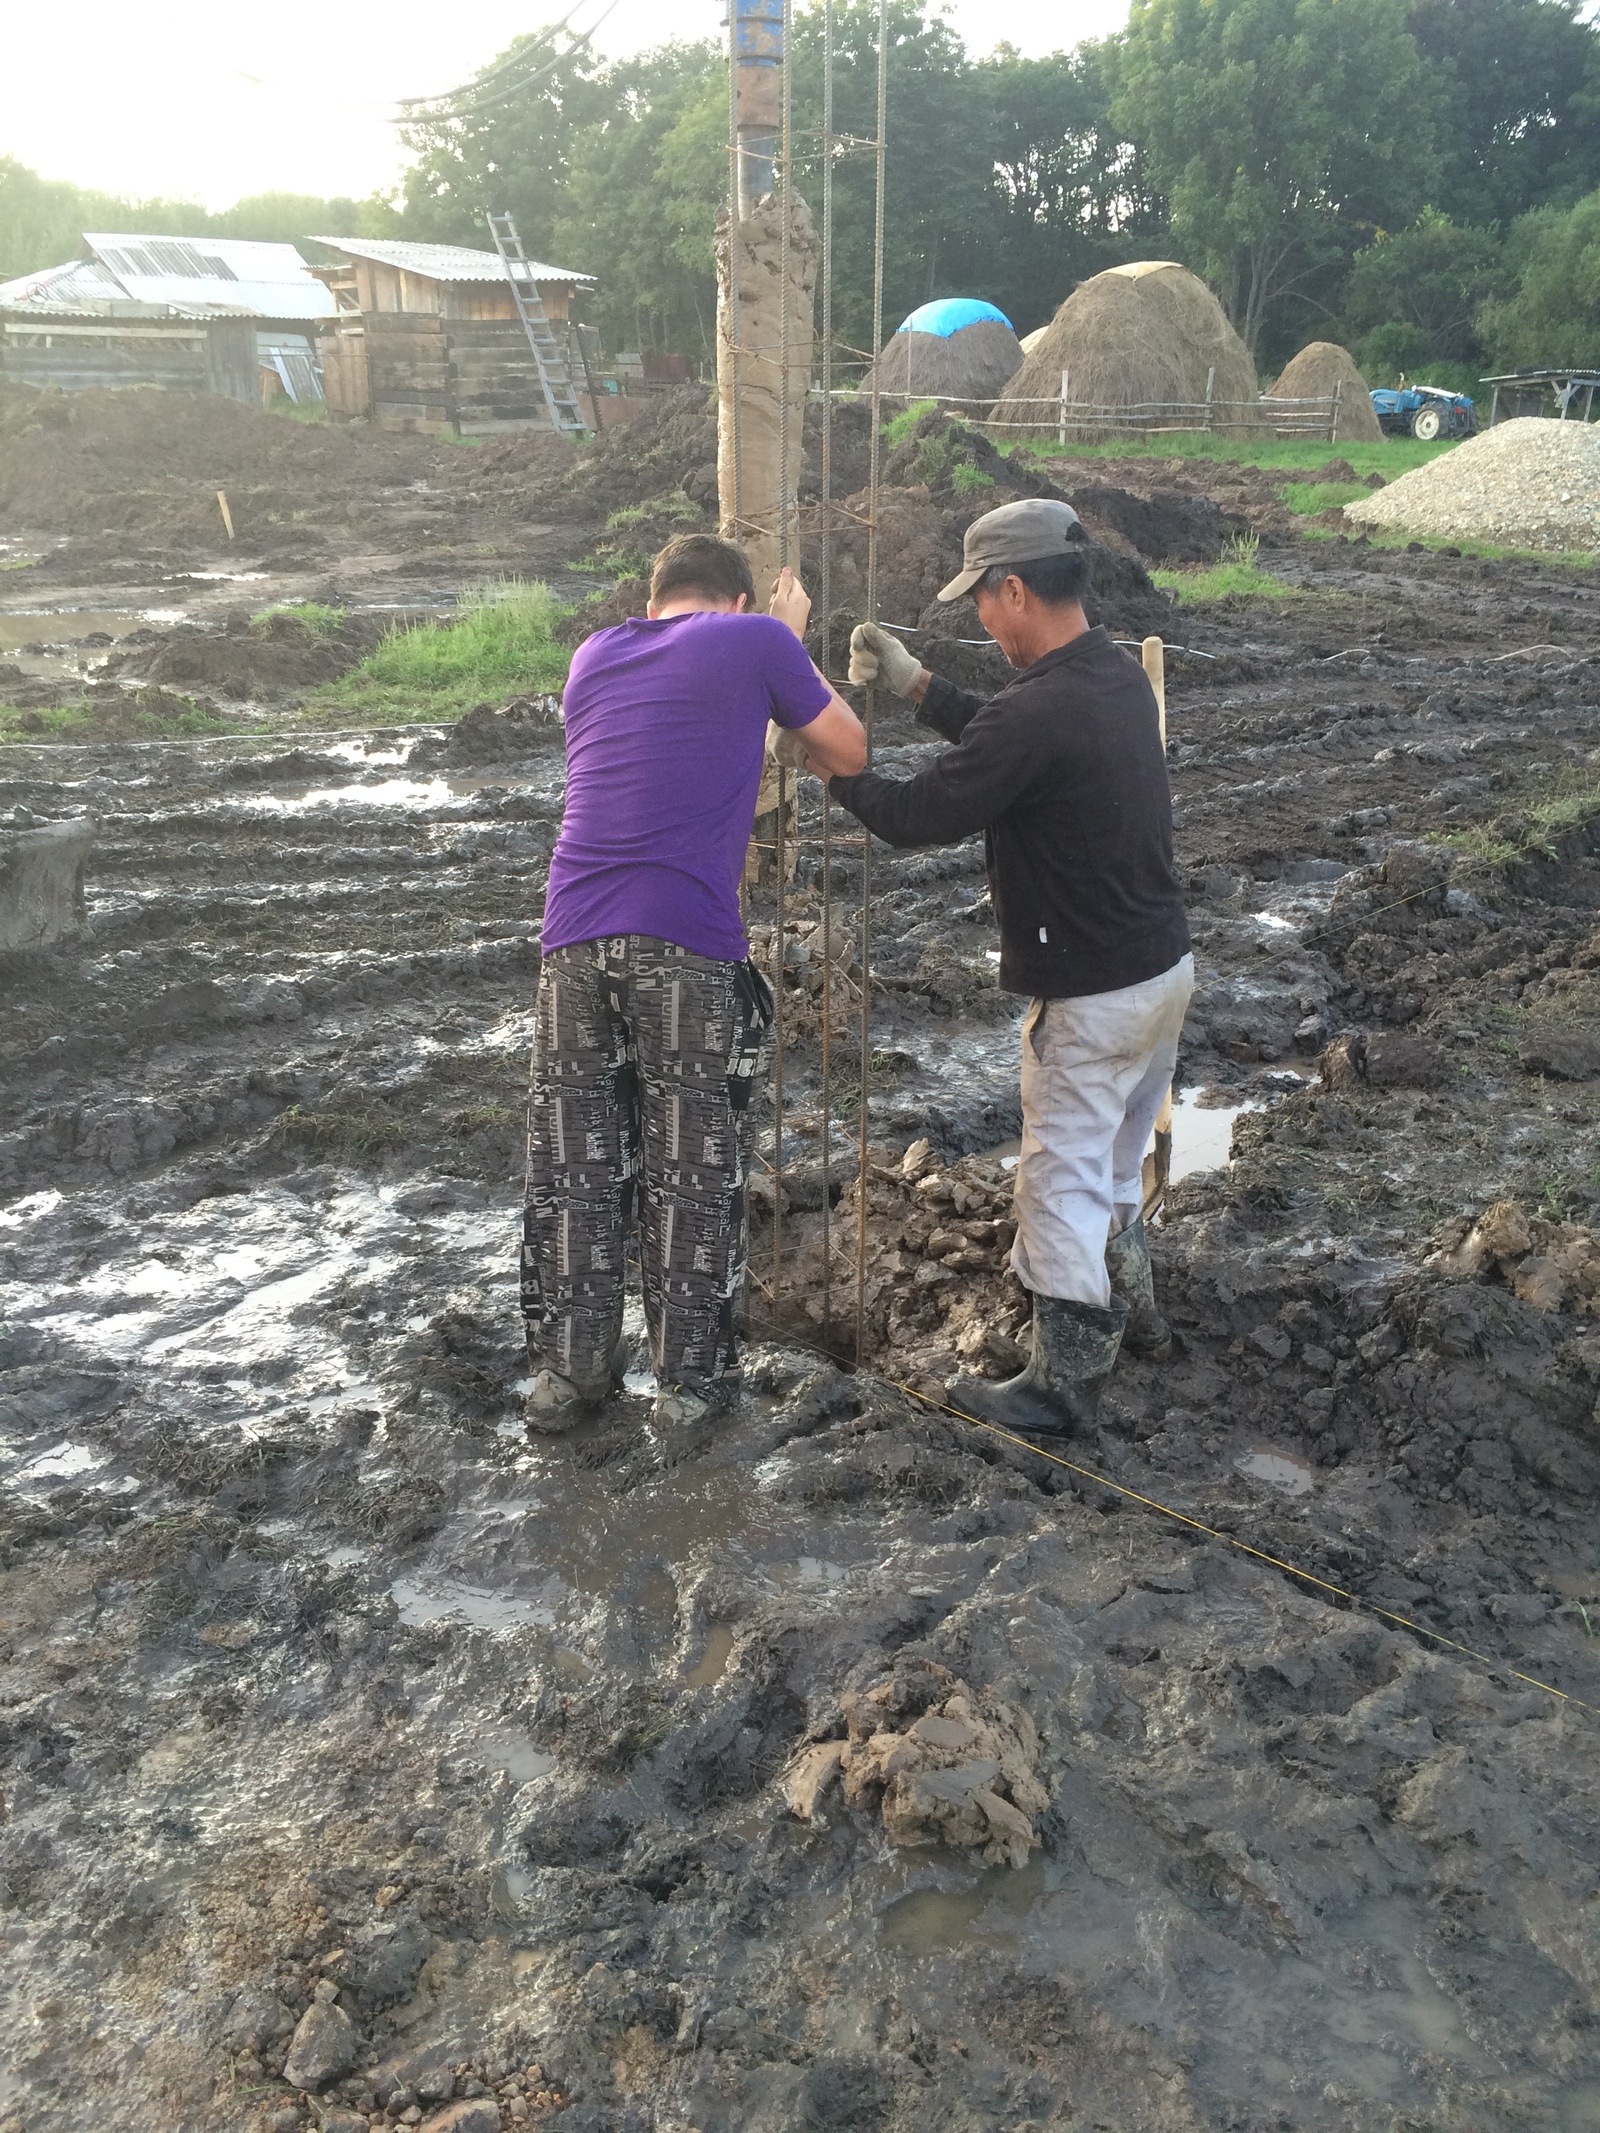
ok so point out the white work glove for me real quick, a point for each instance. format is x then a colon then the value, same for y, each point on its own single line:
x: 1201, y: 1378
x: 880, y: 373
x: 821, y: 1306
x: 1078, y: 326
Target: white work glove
x: 786, y: 747
x: 876, y: 655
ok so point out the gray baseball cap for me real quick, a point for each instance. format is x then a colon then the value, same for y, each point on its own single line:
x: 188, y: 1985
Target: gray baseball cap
x: 1015, y: 533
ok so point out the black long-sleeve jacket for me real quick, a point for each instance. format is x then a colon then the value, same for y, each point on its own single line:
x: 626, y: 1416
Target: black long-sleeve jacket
x: 1065, y: 774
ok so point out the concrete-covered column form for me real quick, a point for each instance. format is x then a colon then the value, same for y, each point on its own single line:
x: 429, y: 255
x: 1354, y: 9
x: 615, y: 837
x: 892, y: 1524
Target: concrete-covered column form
x: 758, y: 480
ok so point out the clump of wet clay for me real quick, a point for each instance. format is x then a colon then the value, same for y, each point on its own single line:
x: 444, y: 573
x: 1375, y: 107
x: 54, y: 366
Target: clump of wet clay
x: 946, y: 1765
x: 1555, y: 1266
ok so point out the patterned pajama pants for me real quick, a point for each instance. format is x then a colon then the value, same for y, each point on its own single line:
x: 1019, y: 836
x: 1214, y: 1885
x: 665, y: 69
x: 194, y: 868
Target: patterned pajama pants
x: 645, y: 1058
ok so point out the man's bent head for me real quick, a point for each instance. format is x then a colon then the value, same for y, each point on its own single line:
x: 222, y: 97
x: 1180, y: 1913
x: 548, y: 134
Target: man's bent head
x: 701, y: 570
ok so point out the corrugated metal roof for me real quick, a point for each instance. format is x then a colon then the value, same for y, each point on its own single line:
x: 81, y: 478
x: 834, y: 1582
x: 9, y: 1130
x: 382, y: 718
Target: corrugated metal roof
x: 82, y: 285
x: 220, y: 277
x: 443, y: 262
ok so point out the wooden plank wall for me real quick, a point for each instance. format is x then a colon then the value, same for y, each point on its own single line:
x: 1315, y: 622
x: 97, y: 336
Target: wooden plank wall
x: 344, y: 373
x: 451, y: 375
x: 79, y: 357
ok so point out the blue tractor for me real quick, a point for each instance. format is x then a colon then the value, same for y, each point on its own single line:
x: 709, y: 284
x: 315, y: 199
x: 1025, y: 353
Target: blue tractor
x: 1425, y: 411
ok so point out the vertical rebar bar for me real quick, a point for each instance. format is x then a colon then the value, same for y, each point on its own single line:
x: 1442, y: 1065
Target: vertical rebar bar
x: 779, y: 941
x: 786, y: 210
x: 825, y: 593
x: 873, y: 455
x: 736, y: 530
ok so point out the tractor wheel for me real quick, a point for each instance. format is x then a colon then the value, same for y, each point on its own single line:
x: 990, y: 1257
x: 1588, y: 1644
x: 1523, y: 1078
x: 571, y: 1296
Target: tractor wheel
x: 1426, y: 424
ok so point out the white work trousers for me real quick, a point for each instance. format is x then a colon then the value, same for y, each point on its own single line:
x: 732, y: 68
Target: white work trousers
x: 1094, y: 1072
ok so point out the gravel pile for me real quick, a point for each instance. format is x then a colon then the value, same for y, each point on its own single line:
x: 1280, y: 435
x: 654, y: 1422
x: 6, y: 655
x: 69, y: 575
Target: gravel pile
x: 1532, y: 483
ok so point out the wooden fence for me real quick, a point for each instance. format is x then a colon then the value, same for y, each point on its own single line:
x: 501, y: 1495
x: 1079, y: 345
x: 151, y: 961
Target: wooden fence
x: 1085, y: 421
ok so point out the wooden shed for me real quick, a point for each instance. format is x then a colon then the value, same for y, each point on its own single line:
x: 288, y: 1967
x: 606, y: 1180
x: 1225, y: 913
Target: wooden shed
x: 427, y: 337
x: 186, y: 314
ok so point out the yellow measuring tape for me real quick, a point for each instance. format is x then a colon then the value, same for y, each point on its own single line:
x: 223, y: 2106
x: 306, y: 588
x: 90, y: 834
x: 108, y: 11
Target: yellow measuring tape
x: 1150, y: 1503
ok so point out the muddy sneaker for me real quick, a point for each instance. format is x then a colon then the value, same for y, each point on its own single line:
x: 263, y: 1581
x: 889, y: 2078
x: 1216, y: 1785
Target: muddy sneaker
x: 555, y: 1405
x: 677, y: 1404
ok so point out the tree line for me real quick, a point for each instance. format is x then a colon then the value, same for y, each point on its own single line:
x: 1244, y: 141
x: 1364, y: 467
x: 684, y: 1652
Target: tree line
x: 1417, y: 178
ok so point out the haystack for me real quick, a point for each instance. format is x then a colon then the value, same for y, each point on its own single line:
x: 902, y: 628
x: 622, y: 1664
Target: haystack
x: 955, y: 349
x: 1030, y: 341
x: 1147, y: 334
x: 1317, y: 373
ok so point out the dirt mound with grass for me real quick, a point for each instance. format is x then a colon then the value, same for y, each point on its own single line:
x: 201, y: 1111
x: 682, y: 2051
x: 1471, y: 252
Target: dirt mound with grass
x: 1320, y: 370
x: 1150, y: 333
x: 1531, y: 483
x: 935, y: 482
x: 274, y: 655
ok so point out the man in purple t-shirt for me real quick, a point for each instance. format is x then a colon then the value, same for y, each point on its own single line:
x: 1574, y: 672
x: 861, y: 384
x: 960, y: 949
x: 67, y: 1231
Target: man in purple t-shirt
x: 651, y: 1026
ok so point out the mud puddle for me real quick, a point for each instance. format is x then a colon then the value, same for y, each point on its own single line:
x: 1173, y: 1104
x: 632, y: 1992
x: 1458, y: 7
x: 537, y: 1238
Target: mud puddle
x: 58, y: 643
x: 1202, y: 1133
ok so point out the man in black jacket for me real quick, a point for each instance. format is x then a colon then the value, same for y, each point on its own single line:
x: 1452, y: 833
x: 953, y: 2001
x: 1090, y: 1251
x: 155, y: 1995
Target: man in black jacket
x: 1065, y: 774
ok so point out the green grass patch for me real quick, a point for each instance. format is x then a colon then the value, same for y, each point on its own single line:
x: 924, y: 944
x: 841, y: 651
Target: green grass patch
x: 966, y: 481
x: 20, y: 562
x: 352, y: 1137
x: 676, y: 509
x: 1487, y: 551
x: 160, y: 717
x: 307, y: 618
x: 1305, y: 498
x: 500, y: 642
x: 1236, y: 577
x: 1394, y: 456
x: 899, y: 427
x: 627, y: 548
x: 1546, y: 812
x: 1452, y: 545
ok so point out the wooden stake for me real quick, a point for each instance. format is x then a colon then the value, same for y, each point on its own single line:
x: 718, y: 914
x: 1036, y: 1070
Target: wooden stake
x: 1157, y: 1168
x: 227, y: 515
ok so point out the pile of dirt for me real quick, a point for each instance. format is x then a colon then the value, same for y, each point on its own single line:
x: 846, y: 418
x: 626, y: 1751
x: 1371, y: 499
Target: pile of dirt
x: 939, y: 1237
x: 152, y: 462
x: 1319, y: 371
x: 1147, y: 334
x: 503, y: 733
x: 934, y: 483
x: 277, y: 654
x: 1531, y: 483
x: 666, y: 447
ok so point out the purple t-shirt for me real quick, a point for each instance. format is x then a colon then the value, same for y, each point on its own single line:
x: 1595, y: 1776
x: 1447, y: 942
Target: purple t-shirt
x: 666, y: 727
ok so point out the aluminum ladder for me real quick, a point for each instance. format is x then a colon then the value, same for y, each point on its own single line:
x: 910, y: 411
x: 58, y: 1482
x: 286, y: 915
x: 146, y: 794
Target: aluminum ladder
x: 555, y: 376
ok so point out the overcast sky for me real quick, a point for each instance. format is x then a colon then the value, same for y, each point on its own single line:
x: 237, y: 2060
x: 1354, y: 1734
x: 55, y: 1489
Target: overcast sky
x: 191, y: 100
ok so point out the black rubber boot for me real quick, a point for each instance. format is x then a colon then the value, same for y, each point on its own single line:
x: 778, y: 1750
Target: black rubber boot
x: 1058, y: 1394
x: 1147, y: 1333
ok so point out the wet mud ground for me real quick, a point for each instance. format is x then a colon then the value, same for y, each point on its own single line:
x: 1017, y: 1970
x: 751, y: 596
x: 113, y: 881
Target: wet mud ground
x: 318, y: 1672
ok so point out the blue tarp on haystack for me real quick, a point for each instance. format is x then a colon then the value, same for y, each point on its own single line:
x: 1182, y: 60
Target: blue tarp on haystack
x: 948, y: 314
